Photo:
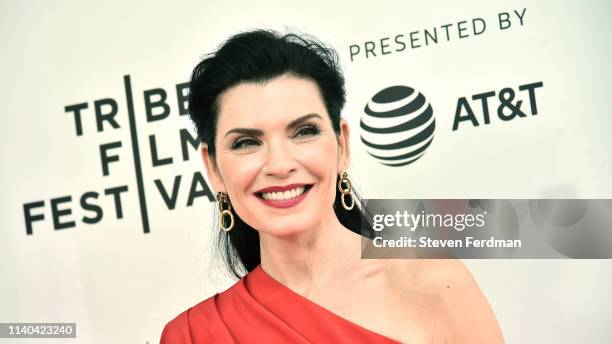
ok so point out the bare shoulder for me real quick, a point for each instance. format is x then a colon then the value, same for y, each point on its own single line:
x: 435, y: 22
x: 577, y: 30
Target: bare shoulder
x: 449, y: 292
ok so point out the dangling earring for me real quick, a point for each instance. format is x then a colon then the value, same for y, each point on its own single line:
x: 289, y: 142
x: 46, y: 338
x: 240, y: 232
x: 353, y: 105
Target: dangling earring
x: 348, y: 191
x: 222, y: 198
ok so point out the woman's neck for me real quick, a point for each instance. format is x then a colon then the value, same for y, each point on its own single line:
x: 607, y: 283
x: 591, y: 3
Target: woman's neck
x: 311, y: 260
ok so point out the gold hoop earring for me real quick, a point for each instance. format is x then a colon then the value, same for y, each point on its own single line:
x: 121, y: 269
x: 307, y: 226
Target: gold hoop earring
x: 348, y: 191
x: 222, y: 198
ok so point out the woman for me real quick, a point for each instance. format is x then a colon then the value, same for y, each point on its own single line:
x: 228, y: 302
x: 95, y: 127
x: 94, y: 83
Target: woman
x: 267, y: 110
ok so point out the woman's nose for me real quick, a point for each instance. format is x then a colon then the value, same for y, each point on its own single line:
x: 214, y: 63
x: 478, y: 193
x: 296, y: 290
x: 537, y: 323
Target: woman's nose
x: 279, y: 160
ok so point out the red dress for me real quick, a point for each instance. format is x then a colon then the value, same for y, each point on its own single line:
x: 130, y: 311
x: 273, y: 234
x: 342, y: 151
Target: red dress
x: 259, y: 309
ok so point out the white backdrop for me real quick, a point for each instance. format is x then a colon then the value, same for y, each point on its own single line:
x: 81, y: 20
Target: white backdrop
x: 121, y: 285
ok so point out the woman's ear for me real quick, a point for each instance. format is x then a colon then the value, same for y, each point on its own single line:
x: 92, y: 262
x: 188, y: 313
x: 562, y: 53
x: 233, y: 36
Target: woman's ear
x: 344, y: 152
x: 212, y: 169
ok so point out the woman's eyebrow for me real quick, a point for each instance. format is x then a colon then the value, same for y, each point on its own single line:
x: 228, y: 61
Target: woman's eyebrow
x: 259, y: 132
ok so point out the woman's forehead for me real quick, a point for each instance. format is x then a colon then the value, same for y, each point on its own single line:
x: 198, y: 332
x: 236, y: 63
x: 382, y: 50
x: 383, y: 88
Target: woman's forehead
x: 278, y: 100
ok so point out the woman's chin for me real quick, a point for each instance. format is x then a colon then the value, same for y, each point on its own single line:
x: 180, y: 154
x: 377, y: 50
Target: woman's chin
x: 284, y: 231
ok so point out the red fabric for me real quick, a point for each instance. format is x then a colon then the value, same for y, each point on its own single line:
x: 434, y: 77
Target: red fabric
x: 259, y: 309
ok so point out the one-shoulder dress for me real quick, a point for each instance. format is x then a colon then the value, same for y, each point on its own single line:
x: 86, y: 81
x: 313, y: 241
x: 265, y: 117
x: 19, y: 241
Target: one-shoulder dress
x: 260, y: 309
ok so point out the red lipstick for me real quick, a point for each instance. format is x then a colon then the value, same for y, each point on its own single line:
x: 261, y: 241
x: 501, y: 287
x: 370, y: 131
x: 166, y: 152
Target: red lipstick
x: 283, y: 203
x: 280, y: 188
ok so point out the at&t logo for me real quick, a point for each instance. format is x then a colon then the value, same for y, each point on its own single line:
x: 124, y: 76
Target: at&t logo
x: 398, y: 126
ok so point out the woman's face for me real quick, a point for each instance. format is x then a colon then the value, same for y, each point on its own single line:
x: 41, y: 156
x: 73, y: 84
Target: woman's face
x: 278, y: 134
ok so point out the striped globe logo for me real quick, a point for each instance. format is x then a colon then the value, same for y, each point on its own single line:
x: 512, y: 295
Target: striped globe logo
x: 397, y: 126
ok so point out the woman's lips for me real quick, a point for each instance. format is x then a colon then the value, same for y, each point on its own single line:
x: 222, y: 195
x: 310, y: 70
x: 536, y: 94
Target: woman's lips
x: 281, y: 188
x: 285, y: 203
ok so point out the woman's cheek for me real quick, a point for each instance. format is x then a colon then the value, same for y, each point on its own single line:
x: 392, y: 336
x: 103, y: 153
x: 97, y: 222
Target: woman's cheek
x: 245, y: 171
x: 243, y: 177
x: 317, y: 152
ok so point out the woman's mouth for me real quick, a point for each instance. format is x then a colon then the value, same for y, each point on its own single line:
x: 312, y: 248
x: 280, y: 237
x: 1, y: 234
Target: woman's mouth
x: 284, y: 199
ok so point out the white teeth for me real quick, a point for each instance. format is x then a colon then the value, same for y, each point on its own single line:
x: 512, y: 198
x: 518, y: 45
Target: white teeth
x: 283, y: 195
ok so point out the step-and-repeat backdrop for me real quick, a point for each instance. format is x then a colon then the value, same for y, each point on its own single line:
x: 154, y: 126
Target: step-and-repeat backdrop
x: 107, y: 211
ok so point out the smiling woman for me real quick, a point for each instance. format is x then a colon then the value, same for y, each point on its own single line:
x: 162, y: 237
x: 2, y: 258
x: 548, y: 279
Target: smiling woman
x: 267, y: 110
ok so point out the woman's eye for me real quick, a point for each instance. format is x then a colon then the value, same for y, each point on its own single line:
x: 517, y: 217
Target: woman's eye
x: 308, y: 130
x: 243, y: 143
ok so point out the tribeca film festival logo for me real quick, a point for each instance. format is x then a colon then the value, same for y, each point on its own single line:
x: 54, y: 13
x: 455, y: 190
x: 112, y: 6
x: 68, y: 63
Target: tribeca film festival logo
x: 398, y: 123
x: 101, y: 115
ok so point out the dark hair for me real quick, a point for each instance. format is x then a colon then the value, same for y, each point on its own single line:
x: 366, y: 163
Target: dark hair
x: 257, y: 57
